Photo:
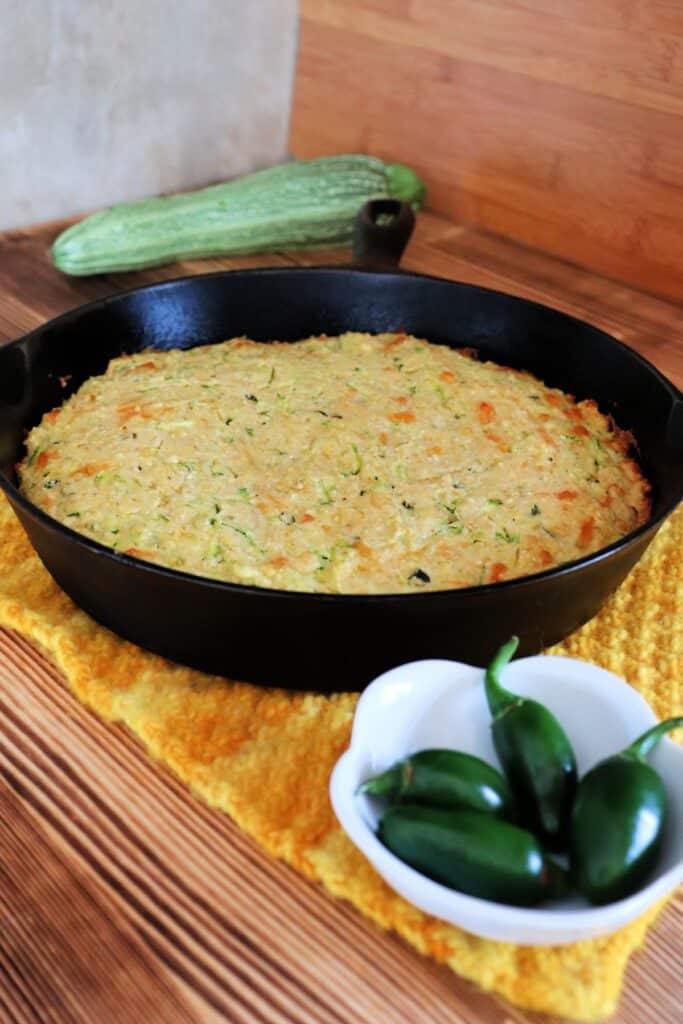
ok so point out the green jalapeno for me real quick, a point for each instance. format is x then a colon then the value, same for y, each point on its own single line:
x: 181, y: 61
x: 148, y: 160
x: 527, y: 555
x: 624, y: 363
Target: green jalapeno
x: 444, y: 778
x: 535, y: 753
x: 475, y: 853
x: 618, y: 821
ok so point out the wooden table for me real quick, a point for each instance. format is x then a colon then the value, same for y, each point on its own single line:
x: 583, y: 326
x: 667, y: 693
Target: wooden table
x: 124, y: 899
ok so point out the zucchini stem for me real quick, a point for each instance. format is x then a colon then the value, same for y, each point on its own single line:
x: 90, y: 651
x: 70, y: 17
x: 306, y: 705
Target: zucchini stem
x: 404, y: 184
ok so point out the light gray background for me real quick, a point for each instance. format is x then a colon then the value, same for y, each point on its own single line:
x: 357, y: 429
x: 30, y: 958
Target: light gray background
x: 104, y: 100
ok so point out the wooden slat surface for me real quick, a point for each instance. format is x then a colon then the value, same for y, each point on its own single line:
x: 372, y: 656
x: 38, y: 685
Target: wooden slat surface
x: 558, y: 123
x: 124, y: 899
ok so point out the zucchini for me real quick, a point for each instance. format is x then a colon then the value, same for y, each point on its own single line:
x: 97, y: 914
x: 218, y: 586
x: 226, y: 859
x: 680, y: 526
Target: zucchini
x: 298, y: 205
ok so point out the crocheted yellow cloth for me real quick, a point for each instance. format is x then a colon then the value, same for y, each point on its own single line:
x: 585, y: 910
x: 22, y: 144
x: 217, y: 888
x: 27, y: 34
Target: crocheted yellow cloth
x: 265, y: 756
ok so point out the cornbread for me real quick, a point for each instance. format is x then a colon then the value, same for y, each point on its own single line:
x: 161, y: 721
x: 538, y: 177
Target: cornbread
x: 355, y: 464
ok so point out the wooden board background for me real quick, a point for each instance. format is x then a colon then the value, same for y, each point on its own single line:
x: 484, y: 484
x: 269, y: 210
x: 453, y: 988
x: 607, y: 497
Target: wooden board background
x: 123, y: 899
x: 558, y: 123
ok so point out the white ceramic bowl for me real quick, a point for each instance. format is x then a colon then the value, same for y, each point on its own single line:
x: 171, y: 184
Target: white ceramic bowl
x: 442, y: 704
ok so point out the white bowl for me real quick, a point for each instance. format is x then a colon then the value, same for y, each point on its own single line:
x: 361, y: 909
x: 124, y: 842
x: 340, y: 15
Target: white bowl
x: 442, y: 704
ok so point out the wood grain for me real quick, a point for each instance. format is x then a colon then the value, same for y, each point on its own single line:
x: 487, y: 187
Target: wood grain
x: 557, y: 124
x: 245, y: 935
x: 122, y: 898
x: 66, y: 955
x: 119, y: 892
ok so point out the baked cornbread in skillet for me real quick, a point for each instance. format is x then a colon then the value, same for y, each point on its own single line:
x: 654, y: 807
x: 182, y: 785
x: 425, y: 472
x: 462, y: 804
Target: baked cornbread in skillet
x: 356, y: 464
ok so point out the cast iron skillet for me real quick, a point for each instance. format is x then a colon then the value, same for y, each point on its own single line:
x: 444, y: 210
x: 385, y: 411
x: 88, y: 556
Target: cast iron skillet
x: 319, y: 641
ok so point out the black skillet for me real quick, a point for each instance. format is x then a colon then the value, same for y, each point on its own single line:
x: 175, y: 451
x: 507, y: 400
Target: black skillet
x: 321, y: 641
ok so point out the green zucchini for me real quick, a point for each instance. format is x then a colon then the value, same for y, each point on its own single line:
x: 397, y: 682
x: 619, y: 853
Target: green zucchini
x: 298, y: 205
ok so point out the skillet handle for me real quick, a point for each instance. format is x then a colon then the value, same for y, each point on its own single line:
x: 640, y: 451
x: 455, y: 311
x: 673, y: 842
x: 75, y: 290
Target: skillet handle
x: 381, y: 232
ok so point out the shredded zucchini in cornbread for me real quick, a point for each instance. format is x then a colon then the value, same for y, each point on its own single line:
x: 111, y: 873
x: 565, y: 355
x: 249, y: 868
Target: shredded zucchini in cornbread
x: 357, y: 464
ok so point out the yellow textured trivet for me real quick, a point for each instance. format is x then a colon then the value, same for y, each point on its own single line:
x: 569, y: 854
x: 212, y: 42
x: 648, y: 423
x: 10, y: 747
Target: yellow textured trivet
x: 265, y: 756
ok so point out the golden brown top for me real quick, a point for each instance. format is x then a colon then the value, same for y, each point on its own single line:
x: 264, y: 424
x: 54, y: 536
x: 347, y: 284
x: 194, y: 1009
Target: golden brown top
x: 357, y: 464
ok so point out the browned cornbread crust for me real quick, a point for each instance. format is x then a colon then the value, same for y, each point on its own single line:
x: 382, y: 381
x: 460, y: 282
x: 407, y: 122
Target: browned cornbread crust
x: 356, y: 464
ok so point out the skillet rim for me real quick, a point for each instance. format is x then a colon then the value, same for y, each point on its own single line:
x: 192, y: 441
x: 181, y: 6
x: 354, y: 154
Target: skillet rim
x: 15, y: 495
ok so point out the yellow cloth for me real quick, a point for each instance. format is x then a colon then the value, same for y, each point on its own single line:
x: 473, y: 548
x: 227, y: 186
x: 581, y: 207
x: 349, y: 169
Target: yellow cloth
x: 265, y: 756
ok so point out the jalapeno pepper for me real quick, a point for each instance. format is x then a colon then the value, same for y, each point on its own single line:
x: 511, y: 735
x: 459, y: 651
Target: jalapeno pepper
x: 535, y: 753
x: 475, y: 853
x: 618, y: 821
x: 444, y: 778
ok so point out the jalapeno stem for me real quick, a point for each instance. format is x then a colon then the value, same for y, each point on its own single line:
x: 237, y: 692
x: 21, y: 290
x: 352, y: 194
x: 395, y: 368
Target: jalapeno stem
x: 390, y: 783
x: 641, y: 747
x: 500, y: 699
x: 557, y: 880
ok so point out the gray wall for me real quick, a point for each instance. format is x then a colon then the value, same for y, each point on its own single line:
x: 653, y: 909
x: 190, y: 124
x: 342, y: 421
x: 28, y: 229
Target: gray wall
x: 104, y: 100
